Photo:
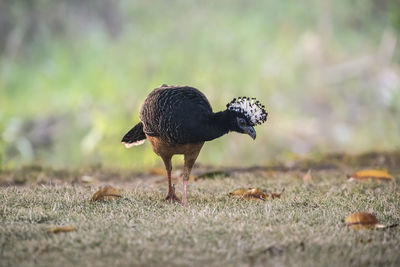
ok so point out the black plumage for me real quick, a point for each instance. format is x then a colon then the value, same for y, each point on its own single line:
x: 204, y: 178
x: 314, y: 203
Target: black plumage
x: 180, y: 115
x: 135, y: 135
x: 179, y: 119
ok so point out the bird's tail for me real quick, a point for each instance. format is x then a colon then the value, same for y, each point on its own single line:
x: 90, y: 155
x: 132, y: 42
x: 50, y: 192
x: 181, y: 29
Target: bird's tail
x: 135, y: 136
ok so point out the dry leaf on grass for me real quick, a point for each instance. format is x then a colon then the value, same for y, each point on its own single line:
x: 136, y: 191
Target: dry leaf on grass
x: 364, y: 220
x: 381, y: 175
x: 61, y: 229
x: 106, y: 193
x: 250, y: 193
x: 307, y: 178
x: 238, y: 192
x: 253, y: 193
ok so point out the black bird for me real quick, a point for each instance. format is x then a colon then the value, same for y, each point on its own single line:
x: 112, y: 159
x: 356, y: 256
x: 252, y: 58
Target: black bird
x: 179, y: 119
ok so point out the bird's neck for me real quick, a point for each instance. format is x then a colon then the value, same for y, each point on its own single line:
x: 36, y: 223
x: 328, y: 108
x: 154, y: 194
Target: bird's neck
x: 219, y: 123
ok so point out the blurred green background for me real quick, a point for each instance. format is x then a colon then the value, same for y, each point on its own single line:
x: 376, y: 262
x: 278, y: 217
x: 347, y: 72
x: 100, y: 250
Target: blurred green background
x: 73, y: 74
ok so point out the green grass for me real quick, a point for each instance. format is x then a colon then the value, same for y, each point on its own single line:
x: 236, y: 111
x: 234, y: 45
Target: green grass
x: 304, y: 227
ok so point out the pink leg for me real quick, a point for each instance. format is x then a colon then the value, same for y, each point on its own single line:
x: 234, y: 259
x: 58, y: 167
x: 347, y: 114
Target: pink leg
x: 184, y: 201
x: 190, y: 158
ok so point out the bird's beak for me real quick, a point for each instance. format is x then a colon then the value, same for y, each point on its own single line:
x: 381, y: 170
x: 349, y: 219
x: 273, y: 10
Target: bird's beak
x: 250, y: 131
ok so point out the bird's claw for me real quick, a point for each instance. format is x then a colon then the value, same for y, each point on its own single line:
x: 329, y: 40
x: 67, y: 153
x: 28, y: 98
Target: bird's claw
x: 172, y: 198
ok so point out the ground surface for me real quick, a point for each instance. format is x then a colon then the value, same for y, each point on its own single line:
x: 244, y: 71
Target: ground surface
x: 303, y: 227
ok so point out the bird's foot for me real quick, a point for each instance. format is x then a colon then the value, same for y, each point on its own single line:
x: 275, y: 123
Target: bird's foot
x: 172, y: 198
x: 184, y: 203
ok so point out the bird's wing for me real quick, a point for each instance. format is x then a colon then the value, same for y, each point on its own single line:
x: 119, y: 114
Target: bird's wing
x: 175, y: 114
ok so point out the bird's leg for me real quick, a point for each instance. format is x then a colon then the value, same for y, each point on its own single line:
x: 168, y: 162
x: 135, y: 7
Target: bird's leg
x: 171, y: 188
x: 189, y: 162
x: 184, y: 201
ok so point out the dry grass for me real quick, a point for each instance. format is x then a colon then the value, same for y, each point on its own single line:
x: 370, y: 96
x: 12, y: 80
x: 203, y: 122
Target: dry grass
x: 304, y: 227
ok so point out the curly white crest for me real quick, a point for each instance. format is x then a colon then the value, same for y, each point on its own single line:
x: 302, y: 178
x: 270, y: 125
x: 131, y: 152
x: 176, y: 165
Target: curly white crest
x: 251, y: 108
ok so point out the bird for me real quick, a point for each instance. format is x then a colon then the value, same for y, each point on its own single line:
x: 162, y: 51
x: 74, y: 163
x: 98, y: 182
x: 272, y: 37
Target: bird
x: 180, y: 119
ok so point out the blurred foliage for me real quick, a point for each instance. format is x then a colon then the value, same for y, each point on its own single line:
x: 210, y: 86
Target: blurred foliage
x: 74, y: 73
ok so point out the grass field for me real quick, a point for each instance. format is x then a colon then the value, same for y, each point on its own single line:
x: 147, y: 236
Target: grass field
x: 305, y: 227
x: 73, y: 75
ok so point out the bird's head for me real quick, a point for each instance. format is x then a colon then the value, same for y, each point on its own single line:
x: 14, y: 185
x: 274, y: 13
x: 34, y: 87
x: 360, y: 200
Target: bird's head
x: 245, y: 114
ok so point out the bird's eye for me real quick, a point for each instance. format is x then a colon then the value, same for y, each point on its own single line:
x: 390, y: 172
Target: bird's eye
x: 242, y: 122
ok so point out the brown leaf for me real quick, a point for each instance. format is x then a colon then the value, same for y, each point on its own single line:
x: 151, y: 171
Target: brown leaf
x: 238, y: 192
x: 106, y: 193
x: 253, y: 193
x: 363, y: 220
x: 371, y: 174
x: 61, y: 229
x: 307, y: 178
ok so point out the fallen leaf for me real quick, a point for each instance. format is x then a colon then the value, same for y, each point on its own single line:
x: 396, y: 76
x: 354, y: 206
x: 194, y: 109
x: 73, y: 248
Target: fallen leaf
x: 307, y: 178
x: 371, y: 174
x: 363, y: 220
x: 106, y: 193
x: 61, y: 229
x: 254, y: 193
x: 238, y: 192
